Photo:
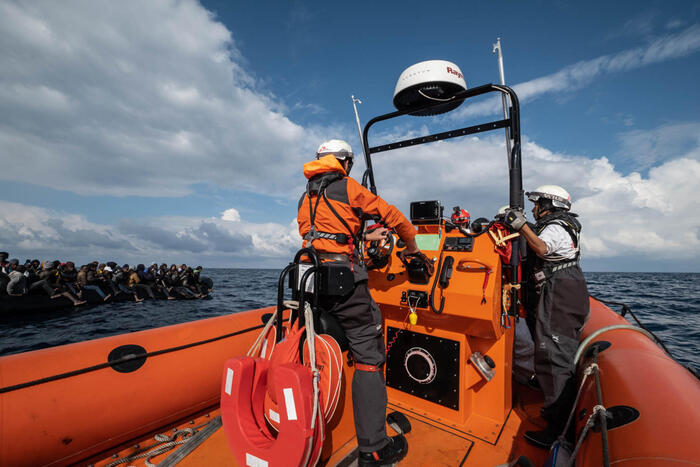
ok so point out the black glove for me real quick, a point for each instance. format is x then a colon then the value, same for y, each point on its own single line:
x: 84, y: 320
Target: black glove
x: 515, y: 219
x: 406, y: 257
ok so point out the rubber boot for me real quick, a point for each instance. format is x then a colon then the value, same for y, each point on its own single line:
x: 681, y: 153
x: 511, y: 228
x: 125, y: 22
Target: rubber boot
x: 390, y: 454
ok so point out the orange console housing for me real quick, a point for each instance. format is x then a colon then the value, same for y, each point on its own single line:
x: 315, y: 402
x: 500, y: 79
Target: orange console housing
x: 429, y: 372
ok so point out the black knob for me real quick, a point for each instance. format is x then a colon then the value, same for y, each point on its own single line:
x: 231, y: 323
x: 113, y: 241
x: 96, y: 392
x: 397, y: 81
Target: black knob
x: 489, y: 361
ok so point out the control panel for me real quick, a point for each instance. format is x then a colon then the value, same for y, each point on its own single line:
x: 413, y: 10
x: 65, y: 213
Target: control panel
x: 459, y: 244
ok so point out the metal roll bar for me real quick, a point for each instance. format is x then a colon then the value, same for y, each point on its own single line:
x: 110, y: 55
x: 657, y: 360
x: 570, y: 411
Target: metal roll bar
x: 512, y: 124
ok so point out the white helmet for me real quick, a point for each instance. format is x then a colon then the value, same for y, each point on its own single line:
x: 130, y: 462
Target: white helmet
x: 339, y: 148
x: 559, y: 197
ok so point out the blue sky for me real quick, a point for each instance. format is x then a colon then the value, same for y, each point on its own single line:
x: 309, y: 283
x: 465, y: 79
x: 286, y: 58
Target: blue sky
x: 176, y: 130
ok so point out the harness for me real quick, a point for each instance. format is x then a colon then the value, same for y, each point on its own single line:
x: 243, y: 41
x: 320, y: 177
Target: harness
x: 545, y: 269
x: 569, y: 223
x: 317, y: 186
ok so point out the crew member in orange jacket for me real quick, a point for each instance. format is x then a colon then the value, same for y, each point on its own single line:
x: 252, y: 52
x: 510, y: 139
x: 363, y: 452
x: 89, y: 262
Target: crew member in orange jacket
x: 329, y: 221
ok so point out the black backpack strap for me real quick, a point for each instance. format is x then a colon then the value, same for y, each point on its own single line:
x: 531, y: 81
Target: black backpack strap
x: 342, y: 221
x: 314, y: 234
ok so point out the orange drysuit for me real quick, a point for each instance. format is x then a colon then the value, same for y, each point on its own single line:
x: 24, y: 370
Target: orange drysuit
x: 350, y: 200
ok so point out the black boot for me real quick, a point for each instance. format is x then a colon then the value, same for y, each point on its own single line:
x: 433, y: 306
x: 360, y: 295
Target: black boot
x: 555, y: 426
x: 542, y: 439
x: 388, y: 455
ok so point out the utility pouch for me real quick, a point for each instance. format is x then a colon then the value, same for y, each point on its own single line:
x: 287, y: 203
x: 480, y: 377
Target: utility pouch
x: 541, y: 275
x: 337, y: 278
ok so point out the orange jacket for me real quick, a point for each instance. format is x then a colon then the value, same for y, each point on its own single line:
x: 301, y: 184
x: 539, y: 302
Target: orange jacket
x: 349, y: 199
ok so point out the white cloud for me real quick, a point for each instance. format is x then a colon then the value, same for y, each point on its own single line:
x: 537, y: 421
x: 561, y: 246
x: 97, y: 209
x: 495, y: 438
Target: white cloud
x: 652, y: 216
x: 231, y: 214
x: 136, y: 98
x: 582, y: 73
x: 29, y: 231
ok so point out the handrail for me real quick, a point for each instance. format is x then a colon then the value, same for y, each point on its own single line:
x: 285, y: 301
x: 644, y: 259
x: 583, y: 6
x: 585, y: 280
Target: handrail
x: 584, y: 344
x: 513, y: 123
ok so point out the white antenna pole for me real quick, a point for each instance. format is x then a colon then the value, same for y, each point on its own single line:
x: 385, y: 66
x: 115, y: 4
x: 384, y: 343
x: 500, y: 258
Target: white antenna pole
x: 497, y: 49
x: 356, y: 101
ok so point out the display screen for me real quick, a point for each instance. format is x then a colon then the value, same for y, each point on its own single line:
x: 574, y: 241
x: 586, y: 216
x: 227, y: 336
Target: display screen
x: 425, y: 211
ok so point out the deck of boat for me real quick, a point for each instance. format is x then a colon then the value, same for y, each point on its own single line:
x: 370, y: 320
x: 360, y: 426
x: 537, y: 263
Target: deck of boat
x: 430, y: 444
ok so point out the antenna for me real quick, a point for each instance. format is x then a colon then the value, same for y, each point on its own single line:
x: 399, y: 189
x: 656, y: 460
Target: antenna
x: 497, y: 49
x: 356, y: 101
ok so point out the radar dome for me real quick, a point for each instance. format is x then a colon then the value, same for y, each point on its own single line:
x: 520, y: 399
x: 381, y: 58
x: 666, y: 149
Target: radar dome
x: 429, y: 82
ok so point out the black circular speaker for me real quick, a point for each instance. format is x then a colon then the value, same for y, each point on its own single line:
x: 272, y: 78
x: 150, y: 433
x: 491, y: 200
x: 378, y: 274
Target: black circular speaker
x: 420, y: 365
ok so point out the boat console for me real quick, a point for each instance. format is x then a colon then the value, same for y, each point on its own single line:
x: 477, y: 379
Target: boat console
x: 448, y: 354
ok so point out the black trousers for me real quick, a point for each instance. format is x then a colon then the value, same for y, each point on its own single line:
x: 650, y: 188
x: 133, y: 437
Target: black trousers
x: 361, y: 320
x: 562, y: 311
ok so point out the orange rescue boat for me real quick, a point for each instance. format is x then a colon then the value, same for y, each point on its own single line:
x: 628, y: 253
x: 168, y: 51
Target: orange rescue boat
x: 158, y: 396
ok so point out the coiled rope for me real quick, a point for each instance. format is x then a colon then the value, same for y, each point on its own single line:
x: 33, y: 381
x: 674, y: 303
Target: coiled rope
x: 316, y: 377
x: 164, y: 443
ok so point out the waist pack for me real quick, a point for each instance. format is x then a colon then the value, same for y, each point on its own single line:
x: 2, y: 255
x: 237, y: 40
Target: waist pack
x: 336, y: 278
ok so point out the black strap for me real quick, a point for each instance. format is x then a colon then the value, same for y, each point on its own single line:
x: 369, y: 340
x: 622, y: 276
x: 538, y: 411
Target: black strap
x: 342, y: 221
x: 312, y: 214
x: 314, y: 234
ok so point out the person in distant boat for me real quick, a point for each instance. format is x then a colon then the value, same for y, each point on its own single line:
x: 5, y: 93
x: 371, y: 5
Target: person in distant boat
x: 560, y: 305
x: 122, y: 277
x: 163, y: 281
x: 4, y: 278
x: 50, y: 281
x: 141, y: 281
x: 67, y: 276
x: 328, y: 221
x: 91, y: 279
x: 3, y: 262
x: 18, y: 282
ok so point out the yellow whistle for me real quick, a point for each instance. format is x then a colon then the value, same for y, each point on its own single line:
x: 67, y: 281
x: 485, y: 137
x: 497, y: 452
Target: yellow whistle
x: 413, y: 318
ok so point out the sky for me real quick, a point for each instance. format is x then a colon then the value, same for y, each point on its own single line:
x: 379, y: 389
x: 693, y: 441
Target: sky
x: 176, y: 130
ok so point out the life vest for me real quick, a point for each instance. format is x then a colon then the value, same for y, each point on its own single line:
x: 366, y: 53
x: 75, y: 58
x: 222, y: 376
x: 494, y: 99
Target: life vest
x: 317, y: 186
x: 340, y: 207
x: 568, y: 221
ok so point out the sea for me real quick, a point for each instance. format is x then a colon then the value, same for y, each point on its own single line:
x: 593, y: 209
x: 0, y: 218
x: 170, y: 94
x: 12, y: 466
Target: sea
x: 668, y: 304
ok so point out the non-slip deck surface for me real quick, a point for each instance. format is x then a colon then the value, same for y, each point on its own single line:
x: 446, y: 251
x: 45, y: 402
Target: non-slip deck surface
x: 428, y: 445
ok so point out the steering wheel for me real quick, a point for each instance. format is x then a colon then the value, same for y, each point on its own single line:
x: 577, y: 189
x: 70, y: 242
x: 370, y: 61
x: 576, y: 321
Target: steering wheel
x: 378, y: 252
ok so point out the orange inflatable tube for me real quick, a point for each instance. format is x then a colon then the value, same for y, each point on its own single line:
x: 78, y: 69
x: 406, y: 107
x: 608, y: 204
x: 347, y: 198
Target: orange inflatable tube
x: 63, y: 421
x: 653, y: 396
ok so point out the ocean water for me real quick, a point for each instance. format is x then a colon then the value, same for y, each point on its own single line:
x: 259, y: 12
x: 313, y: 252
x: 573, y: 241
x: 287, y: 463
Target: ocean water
x: 668, y: 304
